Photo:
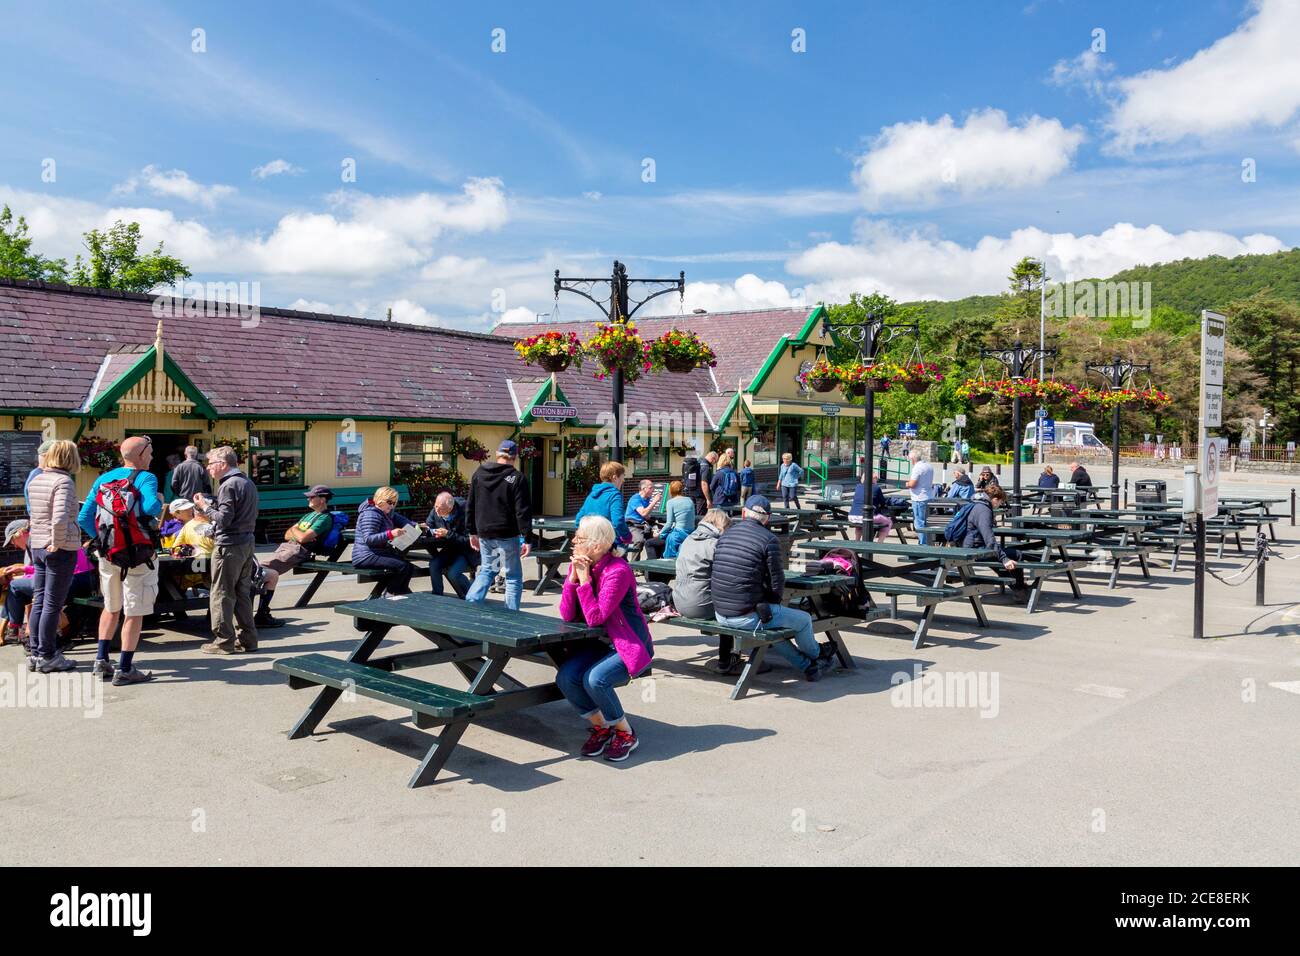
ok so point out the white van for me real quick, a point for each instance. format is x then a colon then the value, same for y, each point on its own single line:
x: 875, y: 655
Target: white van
x: 1072, y: 435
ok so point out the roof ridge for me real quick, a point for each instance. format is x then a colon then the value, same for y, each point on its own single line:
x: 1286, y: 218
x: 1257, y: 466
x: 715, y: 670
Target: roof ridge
x: 66, y: 289
x: 635, y: 319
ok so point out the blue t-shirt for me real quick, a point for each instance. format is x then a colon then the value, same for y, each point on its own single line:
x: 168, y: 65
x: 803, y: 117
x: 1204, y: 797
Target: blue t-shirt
x: 146, y: 481
x: 631, y: 515
x: 747, y: 477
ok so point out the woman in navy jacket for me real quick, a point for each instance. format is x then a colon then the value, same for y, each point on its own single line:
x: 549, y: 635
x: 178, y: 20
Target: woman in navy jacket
x: 377, y: 524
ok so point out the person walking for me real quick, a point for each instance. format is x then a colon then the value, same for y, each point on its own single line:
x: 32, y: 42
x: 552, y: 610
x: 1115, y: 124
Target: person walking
x: 55, y: 541
x: 234, y: 517
x: 129, y: 593
x: 724, y: 489
x: 499, y: 518
x: 788, y: 477
x: 190, y: 478
x: 600, y: 590
x: 746, y: 480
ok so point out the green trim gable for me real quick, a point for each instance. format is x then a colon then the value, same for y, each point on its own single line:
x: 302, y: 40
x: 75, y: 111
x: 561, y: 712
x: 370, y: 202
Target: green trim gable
x: 814, y: 317
x: 543, y: 395
x: 105, y: 405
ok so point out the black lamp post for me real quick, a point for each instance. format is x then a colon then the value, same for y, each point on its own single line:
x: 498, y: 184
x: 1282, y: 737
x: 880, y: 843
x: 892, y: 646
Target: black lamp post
x: 619, y: 310
x: 1015, y: 360
x: 867, y: 338
x: 1116, y: 373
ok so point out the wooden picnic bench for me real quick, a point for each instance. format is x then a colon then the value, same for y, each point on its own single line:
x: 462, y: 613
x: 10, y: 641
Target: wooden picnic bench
x: 941, y: 560
x: 275, y: 502
x: 479, y: 640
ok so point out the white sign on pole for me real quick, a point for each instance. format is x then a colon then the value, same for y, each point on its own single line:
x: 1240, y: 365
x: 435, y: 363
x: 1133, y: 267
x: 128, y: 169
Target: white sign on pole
x: 1214, y: 339
x: 960, y: 421
x: 1210, y: 480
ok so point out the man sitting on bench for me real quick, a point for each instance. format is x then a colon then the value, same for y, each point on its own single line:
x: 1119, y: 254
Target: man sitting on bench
x: 449, y: 549
x: 747, y: 581
x: 979, y: 534
x: 311, y: 529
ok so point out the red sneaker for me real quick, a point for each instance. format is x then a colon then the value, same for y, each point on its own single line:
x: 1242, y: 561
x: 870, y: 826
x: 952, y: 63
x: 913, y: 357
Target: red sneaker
x: 597, y: 740
x: 622, y: 744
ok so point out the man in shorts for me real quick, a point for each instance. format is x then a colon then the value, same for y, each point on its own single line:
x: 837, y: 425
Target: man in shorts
x: 301, y: 543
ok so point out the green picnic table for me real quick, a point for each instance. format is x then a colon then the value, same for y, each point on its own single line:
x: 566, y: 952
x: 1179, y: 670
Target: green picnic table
x: 480, y: 640
x: 921, y: 558
x: 551, y: 553
x: 1129, y: 545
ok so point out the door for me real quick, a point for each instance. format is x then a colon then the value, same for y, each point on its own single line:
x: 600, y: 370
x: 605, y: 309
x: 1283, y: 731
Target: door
x: 789, y: 440
x: 168, y: 452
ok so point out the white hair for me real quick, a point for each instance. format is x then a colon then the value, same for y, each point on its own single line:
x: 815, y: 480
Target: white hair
x: 598, y: 531
x: 915, y: 454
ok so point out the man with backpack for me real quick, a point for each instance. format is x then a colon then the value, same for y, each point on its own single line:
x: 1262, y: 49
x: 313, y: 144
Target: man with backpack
x: 313, y: 534
x: 120, y: 513
x: 693, y: 483
x: 724, y: 489
x: 234, y: 517
x: 499, y: 518
x: 972, y: 527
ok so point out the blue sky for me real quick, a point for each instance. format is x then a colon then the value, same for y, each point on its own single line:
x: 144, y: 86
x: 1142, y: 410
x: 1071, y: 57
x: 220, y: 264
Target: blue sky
x: 918, y: 149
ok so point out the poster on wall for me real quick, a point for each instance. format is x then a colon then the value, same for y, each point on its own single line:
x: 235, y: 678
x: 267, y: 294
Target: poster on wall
x: 347, y: 464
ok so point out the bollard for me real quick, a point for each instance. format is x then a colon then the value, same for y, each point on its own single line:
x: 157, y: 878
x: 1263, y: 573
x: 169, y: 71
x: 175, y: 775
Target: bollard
x: 1293, y: 507
x: 1261, y: 550
x: 1126, y: 494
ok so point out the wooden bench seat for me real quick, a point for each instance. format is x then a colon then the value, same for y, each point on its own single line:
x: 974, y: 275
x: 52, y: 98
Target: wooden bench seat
x: 322, y: 569
x: 742, y: 639
x: 430, y: 704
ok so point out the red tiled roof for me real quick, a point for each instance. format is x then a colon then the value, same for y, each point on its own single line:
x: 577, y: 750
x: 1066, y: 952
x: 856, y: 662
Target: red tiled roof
x: 742, y: 340
x: 289, y: 364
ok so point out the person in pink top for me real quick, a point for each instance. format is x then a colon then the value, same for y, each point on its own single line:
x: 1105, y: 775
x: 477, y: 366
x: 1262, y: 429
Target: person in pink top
x: 601, y: 591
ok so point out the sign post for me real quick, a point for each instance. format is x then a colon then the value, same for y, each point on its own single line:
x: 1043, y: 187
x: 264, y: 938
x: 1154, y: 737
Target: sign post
x: 1214, y: 339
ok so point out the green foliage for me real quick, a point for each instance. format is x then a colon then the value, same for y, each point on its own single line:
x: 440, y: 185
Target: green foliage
x: 115, y: 262
x: 17, y: 260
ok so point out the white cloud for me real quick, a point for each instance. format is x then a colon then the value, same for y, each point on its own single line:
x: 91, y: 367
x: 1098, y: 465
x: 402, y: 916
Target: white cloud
x: 275, y: 167
x: 913, y: 265
x: 311, y: 305
x: 916, y: 162
x: 174, y: 183
x: 404, y: 310
x: 518, y: 314
x: 1087, y: 71
x: 593, y: 195
x: 453, y: 267
x: 747, y: 292
x: 1248, y: 78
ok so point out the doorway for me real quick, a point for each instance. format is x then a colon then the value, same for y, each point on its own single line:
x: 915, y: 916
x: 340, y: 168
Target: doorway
x: 789, y: 440
x: 535, y: 471
x: 165, y: 445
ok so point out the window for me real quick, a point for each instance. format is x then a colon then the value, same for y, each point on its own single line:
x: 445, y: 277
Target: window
x: 276, y: 457
x: 412, y: 450
x: 654, y: 460
x: 763, y: 451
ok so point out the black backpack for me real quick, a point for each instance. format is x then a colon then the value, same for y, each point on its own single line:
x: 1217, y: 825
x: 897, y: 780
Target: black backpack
x: 691, y: 476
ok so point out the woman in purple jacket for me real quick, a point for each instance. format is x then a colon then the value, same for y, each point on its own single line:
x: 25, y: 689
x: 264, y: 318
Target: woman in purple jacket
x: 601, y: 591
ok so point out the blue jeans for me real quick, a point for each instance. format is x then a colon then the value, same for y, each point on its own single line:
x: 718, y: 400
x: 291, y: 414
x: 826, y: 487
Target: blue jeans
x: 790, y: 496
x: 50, y: 587
x: 673, y: 541
x: 452, y: 564
x: 804, y: 651
x: 499, y: 554
x: 918, y: 519
x: 588, y: 678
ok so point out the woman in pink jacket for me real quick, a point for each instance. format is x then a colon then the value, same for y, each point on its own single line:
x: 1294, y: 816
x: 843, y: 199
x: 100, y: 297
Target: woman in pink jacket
x: 601, y: 590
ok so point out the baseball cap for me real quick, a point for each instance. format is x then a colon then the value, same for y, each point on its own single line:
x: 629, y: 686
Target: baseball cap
x: 759, y: 505
x: 180, y: 504
x: 508, y: 447
x: 322, y: 490
x: 15, y: 527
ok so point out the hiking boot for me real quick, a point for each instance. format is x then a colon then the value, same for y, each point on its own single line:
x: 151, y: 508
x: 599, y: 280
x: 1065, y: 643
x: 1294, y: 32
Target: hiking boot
x: 620, y: 746
x: 815, y: 671
x: 265, y: 620
x: 34, y: 662
x: 216, y: 647
x: 133, y: 676
x: 729, y: 667
x: 103, y: 668
x: 597, y: 741
x: 826, y: 652
x: 243, y: 647
x: 1020, y: 595
x: 58, y: 662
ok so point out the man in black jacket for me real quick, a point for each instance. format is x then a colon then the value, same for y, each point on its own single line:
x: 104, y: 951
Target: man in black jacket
x: 190, y: 478
x: 499, y: 518
x: 747, y: 582
x: 1079, y: 476
x: 979, y: 534
x: 449, y: 549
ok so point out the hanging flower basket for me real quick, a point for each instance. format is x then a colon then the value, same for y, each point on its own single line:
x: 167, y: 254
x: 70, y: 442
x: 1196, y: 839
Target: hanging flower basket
x: 681, y: 351
x: 529, y: 449
x: 878, y: 383
x: 618, y: 347
x: 917, y: 377
x: 1154, y: 400
x: 822, y: 377
x: 978, y: 390
x: 982, y: 398
x: 553, y: 351
x: 471, y: 449
x: 99, y: 453
x: 856, y: 389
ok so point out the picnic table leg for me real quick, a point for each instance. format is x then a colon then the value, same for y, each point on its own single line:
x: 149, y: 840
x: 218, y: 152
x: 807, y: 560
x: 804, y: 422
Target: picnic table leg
x: 841, y: 650
x: 1114, y: 572
x: 306, y: 725
x: 747, y: 673
x: 1223, y: 539
x: 310, y: 590
x: 918, y: 640
x: 1146, y: 569
x: 1239, y: 548
x: 1034, y: 593
x: 1178, y: 549
x: 978, y: 605
x: 450, y: 734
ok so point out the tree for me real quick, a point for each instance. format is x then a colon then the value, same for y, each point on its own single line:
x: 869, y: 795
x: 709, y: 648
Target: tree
x: 1017, y: 313
x: 17, y: 261
x: 116, y: 263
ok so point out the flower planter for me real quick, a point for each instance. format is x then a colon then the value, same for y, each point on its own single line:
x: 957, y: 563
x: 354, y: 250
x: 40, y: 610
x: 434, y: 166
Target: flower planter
x: 916, y: 388
x: 679, y: 365
x: 878, y: 384
x: 1007, y: 400
x: 821, y: 383
x: 856, y: 389
x: 982, y: 399
x: 554, y: 363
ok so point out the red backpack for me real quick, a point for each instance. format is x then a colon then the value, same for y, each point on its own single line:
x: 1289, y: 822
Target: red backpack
x: 124, y: 533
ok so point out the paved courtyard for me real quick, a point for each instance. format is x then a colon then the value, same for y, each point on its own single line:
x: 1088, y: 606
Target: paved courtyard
x: 1104, y: 735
